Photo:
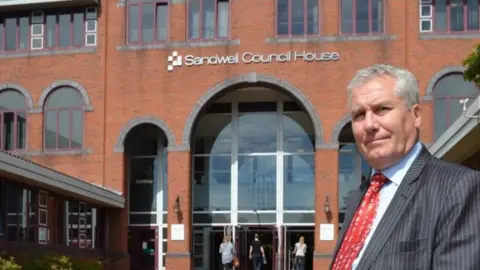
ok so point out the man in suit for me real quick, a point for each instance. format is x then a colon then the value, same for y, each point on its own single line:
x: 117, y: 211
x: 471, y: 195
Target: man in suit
x: 416, y: 211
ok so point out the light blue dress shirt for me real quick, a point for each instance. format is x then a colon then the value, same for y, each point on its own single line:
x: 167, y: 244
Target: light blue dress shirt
x: 395, y: 174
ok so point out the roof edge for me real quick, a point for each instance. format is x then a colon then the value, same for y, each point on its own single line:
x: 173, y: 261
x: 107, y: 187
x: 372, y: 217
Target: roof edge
x: 49, y: 177
x: 457, y: 131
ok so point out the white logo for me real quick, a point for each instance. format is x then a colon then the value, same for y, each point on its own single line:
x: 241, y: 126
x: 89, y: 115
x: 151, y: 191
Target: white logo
x: 174, y: 60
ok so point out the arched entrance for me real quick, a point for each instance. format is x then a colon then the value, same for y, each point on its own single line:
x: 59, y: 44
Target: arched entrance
x: 253, y: 171
x: 145, y: 160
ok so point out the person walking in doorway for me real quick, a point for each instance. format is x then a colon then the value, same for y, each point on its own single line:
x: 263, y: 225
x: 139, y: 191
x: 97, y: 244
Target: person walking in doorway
x: 227, y: 250
x: 257, y: 254
x: 299, y: 254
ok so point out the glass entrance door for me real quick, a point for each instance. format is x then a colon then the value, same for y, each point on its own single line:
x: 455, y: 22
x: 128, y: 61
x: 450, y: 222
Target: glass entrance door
x: 291, y: 237
x: 142, y: 248
x: 268, y: 237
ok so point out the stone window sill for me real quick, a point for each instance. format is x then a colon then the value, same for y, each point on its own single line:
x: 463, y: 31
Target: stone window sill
x: 323, y: 39
x: 48, y: 53
x: 174, y: 45
x: 436, y: 36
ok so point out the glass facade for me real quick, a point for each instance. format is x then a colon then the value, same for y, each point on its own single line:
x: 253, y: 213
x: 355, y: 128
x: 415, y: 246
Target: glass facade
x: 253, y: 161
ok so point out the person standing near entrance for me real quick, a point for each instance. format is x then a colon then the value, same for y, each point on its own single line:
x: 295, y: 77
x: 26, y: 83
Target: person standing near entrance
x: 257, y: 254
x: 415, y: 211
x: 227, y: 251
x: 299, y: 253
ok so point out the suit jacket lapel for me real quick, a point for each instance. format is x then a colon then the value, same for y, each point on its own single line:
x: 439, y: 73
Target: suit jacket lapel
x: 355, y: 200
x: 406, y: 191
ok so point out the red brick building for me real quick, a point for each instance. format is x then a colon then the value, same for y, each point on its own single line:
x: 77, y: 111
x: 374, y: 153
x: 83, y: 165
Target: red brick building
x: 204, y: 118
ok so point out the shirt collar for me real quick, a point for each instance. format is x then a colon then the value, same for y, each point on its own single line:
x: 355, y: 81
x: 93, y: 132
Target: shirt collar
x: 397, y: 172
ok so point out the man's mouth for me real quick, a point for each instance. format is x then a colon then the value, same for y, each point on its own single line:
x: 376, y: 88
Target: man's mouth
x: 375, y: 141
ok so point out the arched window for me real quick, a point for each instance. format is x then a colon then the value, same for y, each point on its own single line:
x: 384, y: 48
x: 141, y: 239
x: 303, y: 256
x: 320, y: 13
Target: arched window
x: 448, y: 91
x: 13, y: 119
x: 63, y: 119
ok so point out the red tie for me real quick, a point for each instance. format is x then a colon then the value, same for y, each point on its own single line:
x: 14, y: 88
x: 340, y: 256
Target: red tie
x: 360, y: 226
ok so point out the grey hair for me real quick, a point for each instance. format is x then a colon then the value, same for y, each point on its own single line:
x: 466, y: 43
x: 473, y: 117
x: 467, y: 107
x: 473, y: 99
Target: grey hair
x: 406, y: 85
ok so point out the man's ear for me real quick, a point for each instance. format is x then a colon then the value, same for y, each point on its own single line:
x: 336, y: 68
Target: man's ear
x: 416, y: 113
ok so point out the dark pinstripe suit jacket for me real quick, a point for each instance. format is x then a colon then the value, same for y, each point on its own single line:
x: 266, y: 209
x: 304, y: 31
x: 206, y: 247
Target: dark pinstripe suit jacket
x: 433, y: 221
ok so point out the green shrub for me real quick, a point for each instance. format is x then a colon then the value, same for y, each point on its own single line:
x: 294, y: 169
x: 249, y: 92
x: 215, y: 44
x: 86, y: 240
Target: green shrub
x: 9, y: 264
x: 60, y: 262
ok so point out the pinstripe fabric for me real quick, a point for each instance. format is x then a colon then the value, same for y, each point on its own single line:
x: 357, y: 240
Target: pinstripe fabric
x: 433, y: 221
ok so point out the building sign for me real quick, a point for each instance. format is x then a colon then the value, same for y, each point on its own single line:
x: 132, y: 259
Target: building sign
x: 177, y: 60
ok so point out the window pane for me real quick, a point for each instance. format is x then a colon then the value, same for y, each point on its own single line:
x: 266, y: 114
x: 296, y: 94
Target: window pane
x: 162, y: 22
x: 64, y: 129
x: 133, y: 24
x: 78, y: 29
x: 8, y: 131
x: 257, y: 133
x: 453, y: 85
x: 77, y: 128
x: 12, y: 100
x: 50, y: 129
x: 21, y: 130
x: 50, y: 31
x: 24, y: 27
x: 11, y: 34
x: 440, y: 117
x: 347, y: 16
x: 362, y: 16
x: 64, y: 97
x: 299, y: 182
x: 223, y: 19
x: 377, y: 15
x: 298, y: 17
x: 257, y: 177
x: 312, y: 20
x: 1, y: 35
x: 212, y: 177
x: 213, y: 135
x: 65, y: 30
x: 473, y: 15
x: 208, y: 19
x: 142, y: 193
x: 194, y: 19
x: 282, y: 17
x: 147, y: 23
x: 441, y: 15
x: 297, y: 133
x: 456, y: 15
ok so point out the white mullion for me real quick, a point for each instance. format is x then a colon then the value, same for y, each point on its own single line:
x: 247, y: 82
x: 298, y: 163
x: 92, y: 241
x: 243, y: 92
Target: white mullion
x: 234, y: 166
x: 279, y: 169
x: 67, y: 223
x: 160, y: 166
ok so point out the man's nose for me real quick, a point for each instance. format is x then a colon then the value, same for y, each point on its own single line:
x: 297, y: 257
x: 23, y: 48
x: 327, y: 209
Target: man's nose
x: 370, y: 122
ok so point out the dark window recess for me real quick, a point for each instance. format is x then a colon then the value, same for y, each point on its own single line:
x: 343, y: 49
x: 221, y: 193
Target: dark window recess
x: 362, y: 17
x: 49, y: 29
x: 142, y: 183
x: 292, y: 106
x: 13, y: 122
x: 251, y: 107
x: 219, y: 108
x: 63, y: 119
x: 297, y: 17
x: 208, y: 19
x: 147, y: 22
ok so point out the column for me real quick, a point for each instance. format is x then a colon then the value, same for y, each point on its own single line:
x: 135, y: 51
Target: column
x: 118, y: 257
x: 326, y: 184
x: 179, y: 255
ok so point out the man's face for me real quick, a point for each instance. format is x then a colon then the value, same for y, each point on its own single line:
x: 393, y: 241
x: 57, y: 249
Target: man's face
x: 384, y: 128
